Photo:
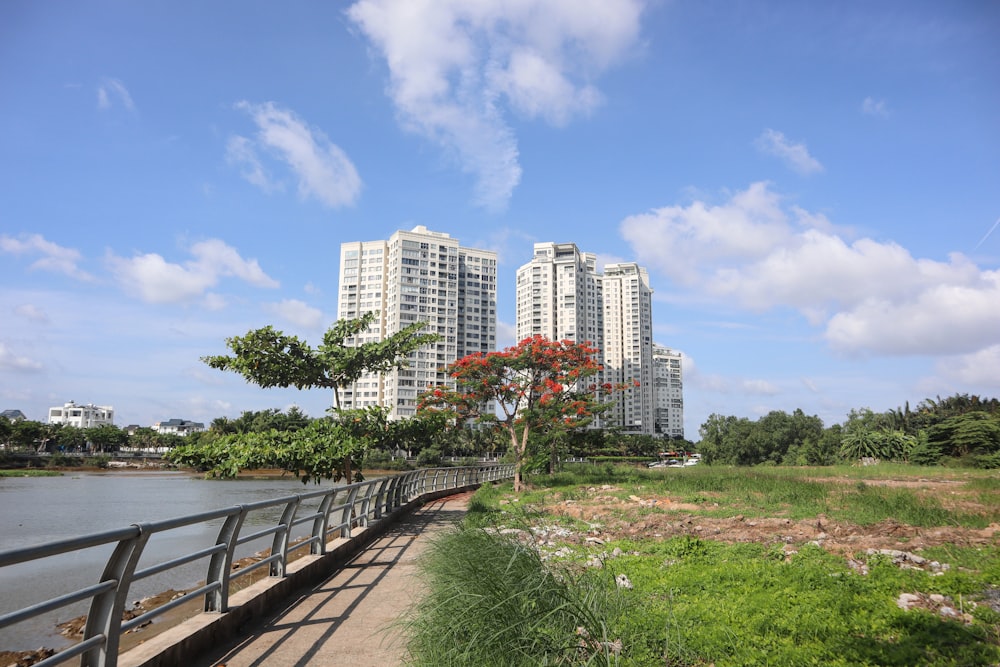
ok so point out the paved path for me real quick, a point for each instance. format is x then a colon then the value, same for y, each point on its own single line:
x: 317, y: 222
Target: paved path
x: 353, y: 617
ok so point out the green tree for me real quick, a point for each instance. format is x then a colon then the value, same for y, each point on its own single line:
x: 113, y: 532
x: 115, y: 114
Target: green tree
x: 222, y: 425
x: 882, y: 444
x: 924, y: 453
x: 537, y: 385
x: 320, y: 450
x: 143, y: 437
x: 323, y: 449
x: 268, y: 358
x: 967, y: 433
x: 726, y: 440
x: 106, y: 438
x: 70, y: 438
x: 29, y: 434
x: 6, y: 430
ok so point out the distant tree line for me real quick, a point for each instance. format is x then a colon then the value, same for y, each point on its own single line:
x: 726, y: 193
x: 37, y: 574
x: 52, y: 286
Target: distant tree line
x: 957, y: 430
x: 38, y: 437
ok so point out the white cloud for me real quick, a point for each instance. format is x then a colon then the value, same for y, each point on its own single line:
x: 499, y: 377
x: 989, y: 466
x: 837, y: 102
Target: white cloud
x: 870, y: 296
x: 730, y: 385
x: 679, y: 240
x: 949, y: 318
x: 32, y: 313
x: 240, y: 152
x: 9, y: 361
x: 297, y: 312
x: 110, y: 90
x: 795, y: 156
x: 981, y: 368
x: 54, y: 258
x: 154, y: 280
x: 322, y: 169
x: 873, y: 107
x: 452, y: 65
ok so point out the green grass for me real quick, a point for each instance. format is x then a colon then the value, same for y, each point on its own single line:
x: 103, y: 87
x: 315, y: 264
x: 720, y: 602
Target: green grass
x: 867, y: 505
x: 493, y: 602
x: 26, y: 472
x: 794, y: 493
x: 745, y: 605
x: 698, y: 602
x: 694, y: 602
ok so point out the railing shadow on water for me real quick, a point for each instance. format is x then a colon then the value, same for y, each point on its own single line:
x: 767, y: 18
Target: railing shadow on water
x: 310, y: 520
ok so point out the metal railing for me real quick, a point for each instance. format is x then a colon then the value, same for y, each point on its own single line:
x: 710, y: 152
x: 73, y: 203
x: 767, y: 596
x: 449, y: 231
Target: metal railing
x: 330, y: 513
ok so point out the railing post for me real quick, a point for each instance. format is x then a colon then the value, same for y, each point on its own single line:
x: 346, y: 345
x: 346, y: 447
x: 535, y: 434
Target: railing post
x: 366, y: 502
x: 347, y: 517
x: 381, y: 497
x: 280, y: 543
x: 410, y: 485
x: 105, y: 615
x: 321, y: 523
x: 221, y: 564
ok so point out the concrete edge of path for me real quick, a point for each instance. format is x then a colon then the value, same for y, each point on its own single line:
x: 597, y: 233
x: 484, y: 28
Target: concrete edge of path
x: 195, y: 636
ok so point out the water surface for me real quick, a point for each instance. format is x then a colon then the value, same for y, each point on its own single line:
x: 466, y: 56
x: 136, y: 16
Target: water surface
x: 36, y: 510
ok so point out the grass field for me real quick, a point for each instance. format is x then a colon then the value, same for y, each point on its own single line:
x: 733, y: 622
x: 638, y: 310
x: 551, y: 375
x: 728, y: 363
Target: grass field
x: 721, y: 566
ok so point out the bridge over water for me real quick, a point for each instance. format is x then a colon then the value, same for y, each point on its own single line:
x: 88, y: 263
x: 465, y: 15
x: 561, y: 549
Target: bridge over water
x: 336, y: 577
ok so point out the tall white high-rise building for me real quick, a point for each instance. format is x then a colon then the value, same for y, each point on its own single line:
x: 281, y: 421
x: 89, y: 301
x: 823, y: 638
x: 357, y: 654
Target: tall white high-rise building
x: 628, y: 344
x: 417, y: 276
x: 561, y: 295
x: 668, y: 390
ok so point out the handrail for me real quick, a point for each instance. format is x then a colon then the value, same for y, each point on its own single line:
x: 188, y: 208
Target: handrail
x: 339, y: 510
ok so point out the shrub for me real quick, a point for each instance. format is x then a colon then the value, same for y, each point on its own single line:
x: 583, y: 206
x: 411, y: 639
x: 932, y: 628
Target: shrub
x: 492, y: 601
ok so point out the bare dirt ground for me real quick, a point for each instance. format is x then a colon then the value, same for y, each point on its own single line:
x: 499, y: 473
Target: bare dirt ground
x: 660, y: 516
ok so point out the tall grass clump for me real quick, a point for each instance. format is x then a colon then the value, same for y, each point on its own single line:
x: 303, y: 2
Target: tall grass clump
x: 869, y: 504
x: 491, y: 601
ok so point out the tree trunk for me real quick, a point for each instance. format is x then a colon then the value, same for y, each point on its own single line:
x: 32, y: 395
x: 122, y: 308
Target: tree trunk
x: 519, y: 450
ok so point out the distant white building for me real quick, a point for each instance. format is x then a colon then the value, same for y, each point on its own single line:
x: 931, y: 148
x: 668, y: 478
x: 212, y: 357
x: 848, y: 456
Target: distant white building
x: 82, y: 416
x: 628, y: 344
x: 668, y: 392
x: 417, y: 276
x: 562, y: 296
x: 178, y: 427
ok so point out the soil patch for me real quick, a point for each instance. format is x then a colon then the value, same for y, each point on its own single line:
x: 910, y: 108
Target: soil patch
x: 662, y: 517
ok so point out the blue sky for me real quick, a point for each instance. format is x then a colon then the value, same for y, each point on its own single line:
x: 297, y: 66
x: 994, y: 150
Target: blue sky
x: 814, y: 187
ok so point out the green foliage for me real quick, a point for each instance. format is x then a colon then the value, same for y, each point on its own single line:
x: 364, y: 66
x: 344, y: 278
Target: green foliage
x: 987, y: 461
x: 924, y: 453
x: 429, y: 457
x: 61, y: 461
x: 268, y: 358
x: 381, y: 459
x: 539, y: 386
x: 958, y: 430
x: 323, y: 448
x: 328, y: 448
x: 774, y: 438
x: 492, y: 601
x: 101, y: 461
x: 700, y: 602
x: 106, y: 438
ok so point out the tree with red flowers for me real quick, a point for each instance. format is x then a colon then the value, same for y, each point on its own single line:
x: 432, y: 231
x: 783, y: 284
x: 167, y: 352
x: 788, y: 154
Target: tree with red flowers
x: 537, y: 385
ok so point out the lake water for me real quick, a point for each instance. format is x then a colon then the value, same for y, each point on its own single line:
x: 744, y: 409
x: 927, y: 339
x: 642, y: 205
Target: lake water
x: 36, y: 510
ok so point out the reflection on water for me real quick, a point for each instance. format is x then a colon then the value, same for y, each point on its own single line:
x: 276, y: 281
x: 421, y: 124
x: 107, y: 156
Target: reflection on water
x: 36, y: 510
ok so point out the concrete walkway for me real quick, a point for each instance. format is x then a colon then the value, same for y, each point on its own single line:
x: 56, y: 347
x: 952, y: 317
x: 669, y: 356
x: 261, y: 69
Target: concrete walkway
x: 354, y: 617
